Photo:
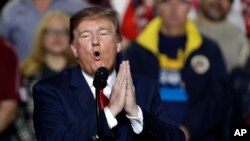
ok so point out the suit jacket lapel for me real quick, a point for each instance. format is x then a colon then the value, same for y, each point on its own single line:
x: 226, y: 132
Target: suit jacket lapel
x: 81, y: 91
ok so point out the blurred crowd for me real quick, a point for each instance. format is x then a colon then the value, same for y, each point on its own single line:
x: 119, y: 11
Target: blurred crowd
x: 197, y: 50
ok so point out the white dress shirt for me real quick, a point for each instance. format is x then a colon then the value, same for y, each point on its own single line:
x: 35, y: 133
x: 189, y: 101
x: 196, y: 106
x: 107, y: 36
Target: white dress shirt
x: 136, y: 122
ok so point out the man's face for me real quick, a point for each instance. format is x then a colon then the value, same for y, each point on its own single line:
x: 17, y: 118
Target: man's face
x: 95, y: 44
x: 174, y: 12
x: 215, y: 10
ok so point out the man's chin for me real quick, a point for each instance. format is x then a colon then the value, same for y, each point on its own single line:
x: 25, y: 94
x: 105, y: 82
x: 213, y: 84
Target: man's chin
x: 216, y: 17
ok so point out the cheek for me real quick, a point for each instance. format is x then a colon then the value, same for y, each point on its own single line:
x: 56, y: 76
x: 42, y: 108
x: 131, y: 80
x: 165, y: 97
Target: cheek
x: 85, y: 58
x: 110, y: 53
x: 164, y: 11
x: 84, y: 53
x: 183, y: 12
x: 65, y: 43
x: 46, y: 43
x: 226, y: 7
x: 113, y: 47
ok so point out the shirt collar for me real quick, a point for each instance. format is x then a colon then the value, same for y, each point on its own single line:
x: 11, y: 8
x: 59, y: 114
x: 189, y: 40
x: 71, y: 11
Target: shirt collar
x: 107, y: 89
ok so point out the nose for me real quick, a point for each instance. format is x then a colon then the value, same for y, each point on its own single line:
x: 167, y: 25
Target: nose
x: 95, y: 41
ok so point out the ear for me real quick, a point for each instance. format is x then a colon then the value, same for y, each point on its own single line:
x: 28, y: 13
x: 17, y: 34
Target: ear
x: 74, y: 49
x: 119, y: 47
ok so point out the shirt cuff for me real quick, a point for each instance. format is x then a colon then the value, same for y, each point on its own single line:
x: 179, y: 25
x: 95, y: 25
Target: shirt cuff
x: 112, y: 121
x: 137, y: 122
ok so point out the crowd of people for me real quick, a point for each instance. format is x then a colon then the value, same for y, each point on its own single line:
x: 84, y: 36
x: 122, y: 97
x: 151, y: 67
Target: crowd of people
x: 196, y: 51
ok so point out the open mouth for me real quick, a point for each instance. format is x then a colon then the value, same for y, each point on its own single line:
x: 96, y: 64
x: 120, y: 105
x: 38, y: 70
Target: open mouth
x: 97, y: 55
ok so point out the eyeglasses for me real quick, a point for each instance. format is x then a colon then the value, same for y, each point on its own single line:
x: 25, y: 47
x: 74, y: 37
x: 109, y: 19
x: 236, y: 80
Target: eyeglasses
x: 56, y: 32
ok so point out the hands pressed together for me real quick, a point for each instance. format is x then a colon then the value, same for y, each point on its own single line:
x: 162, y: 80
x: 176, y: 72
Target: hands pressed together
x: 123, y: 93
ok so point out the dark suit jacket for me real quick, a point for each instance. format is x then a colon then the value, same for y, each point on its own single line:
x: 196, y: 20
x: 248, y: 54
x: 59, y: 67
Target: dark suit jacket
x: 65, y: 111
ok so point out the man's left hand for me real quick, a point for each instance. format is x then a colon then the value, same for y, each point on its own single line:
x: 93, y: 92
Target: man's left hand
x: 131, y: 107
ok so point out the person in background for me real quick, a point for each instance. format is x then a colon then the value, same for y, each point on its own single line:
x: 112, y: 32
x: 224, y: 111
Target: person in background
x: 19, y: 19
x: 131, y: 109
x: 50, y: 55
x: 246, y: 15
x: 189, y: 68
x: 240, y: 79
x: 212, y: 22
x: 235, y: 15
x: 9, y: 87
x: 137, y: 15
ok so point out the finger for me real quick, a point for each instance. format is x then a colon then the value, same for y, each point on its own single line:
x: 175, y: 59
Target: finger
x: 119, y: 84
x: 122, y: 75
x: 118, y: 77
x: 127, y: 75
x: 130, y: 81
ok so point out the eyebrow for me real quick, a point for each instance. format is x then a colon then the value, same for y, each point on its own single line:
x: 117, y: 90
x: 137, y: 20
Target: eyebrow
x: 103, y: 28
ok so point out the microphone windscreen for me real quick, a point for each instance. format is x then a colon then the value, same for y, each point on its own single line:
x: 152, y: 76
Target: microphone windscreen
x: 101, y: 77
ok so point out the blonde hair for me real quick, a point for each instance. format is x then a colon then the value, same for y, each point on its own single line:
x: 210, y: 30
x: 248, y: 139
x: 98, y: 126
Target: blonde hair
x: 36, y: 59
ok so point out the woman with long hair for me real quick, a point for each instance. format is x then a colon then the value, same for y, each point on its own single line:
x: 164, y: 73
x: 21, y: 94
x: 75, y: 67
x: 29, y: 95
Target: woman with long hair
x: 51, y: 54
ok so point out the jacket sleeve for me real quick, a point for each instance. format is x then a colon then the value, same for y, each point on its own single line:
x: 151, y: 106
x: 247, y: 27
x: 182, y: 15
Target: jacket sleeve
x: 51, y: 122
x: 157, y: 124
x: 9, y: 73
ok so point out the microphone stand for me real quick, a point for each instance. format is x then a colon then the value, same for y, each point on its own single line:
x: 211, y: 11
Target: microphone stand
x: 99, y: 122
x: 100, y: 81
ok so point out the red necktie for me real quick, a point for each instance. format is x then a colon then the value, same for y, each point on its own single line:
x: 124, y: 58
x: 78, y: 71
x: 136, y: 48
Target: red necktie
x: 103, y: 100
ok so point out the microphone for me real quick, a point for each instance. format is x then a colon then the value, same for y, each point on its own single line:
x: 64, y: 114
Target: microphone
x: 100, y: 79
x: 100, y: 82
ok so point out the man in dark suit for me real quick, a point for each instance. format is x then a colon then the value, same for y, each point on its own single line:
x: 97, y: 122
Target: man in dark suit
x: 65, y: 103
